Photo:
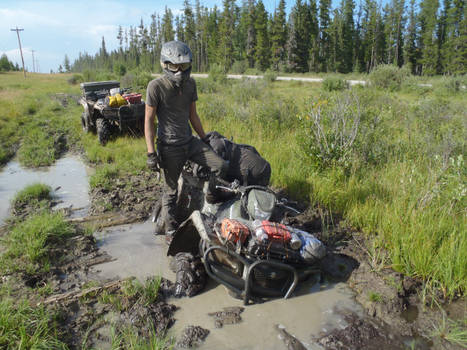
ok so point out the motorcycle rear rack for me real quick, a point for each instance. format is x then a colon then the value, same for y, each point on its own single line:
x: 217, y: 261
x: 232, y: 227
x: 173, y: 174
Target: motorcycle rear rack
x: 228, y: 279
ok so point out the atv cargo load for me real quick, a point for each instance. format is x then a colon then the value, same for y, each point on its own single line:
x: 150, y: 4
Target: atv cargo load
x: 105, y: 120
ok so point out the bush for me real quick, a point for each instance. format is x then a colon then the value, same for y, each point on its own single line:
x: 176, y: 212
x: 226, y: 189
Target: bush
x: 239, y: 67
x: 247, y: 89
x: 270, y: 76
x: 388, y: 76
x: 330, y: 130
x: 217, y: 74
x: 128, y: 80
x: 120, y: 69
x: 76, y: 79
x: 142, y: 80
x: 450, y: 84
x: 334, y: 83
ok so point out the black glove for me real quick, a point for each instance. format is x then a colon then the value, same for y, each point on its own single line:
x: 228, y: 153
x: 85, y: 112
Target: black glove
x: 205, y: 139
x: 153, y: 162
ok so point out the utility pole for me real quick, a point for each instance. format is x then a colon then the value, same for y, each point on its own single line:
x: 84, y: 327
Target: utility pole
x: 33, y: 62
x: 17, y: 30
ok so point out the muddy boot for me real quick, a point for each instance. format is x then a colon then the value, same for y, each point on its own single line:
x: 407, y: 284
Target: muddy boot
x: 191, y: 275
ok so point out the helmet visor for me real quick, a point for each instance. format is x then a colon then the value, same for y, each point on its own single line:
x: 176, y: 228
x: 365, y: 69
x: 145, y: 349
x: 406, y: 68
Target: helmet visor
x: 176, y: 67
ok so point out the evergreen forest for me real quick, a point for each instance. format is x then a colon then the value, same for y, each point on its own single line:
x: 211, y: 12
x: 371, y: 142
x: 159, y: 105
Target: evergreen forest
x: 428, y: 37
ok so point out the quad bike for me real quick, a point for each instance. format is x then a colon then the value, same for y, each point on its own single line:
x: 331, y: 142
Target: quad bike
x: 250, y: 267
x: 104, y: 120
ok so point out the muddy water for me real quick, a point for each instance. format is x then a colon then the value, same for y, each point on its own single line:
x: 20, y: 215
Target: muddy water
x: 312, y: 310
x: 68, y: 178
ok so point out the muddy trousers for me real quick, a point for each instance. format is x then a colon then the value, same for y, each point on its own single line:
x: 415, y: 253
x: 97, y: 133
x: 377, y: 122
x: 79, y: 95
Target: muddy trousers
x: 173, y: 159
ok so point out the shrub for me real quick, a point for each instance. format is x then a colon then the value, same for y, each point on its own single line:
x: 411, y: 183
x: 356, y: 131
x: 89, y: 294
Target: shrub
x: 128, y: 80
x: 270, y: 76
x: 120, y: 69
x: 142, y: 80
x: 217, y: 74
x: 330, y: 131
x: 247, y: 89
x: 76, y: 79
x: 239, y: 67
x: 388, y: 76
x: 334, y: 83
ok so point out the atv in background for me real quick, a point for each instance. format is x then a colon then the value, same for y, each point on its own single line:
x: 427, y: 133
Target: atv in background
x: 105, y: 119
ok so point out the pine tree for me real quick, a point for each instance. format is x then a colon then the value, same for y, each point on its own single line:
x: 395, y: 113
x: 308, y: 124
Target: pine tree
x: 66, y: 64
x: 313, y: 28
x: 454, y: 48
x: 263, y: 50
x: 411, y: 48
x: 190, y: 31
x: 394, y: 24
x: 428, y: 20
x: 167, y: 26
x: 251, y: 34
x: 226, y: 29
x: 324, y: 36
x: 278, y: 37
x: 345, y: 61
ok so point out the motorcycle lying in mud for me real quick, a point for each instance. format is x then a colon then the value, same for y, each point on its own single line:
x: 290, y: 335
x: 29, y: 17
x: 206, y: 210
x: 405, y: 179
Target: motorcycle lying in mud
x: 240, y: 239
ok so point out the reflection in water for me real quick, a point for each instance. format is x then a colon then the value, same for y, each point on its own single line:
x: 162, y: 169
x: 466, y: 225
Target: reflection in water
x: 68, y: 178
x: 311, y: 310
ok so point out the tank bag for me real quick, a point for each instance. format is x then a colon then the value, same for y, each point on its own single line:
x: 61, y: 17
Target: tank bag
x: 274, y: 231
x: 234, y: 231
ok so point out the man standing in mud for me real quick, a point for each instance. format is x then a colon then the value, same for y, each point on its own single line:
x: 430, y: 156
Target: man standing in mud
x: 172, y: 97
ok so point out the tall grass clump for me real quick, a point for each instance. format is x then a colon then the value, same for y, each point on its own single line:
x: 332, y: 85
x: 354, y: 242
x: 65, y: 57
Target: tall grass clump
x: 39, y: 148
x: 388, y: 76
x: 247, y: 89
x: 334, y: 83
x: 29, y: 243
x: 26, y: 327
x: 270, y: 76
x: 32, y: 195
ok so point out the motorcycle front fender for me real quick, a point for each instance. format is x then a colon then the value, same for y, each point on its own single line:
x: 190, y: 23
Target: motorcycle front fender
x: 188, y: 235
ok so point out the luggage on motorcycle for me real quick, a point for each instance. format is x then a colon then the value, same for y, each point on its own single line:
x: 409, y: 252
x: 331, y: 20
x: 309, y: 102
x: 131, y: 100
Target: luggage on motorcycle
x: 312, y: 248
x: 260, y: 204
x: 234, y: 231
x: 272, y: 231
x: 272, y: 250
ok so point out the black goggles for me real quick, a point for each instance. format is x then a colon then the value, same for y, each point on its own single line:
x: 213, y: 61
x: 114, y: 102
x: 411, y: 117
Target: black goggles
x: 176, y: 67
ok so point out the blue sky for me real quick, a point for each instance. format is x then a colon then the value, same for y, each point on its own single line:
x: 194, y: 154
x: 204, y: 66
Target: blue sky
x: 53, y: 28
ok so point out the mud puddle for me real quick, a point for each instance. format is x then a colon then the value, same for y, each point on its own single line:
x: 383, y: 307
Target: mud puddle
x: 68, y: 178
x: 312, y: 310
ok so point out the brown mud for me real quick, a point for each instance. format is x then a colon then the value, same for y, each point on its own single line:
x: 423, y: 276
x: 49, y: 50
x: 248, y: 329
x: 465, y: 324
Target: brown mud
x: 396, y: 316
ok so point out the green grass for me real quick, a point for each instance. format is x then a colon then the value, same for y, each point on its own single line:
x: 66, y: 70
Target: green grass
x: 29, y: 242
x: 26, y: 327
x: 401, y: 181
x: 34, y: 193
x: 375, y: 297
x: 32, y: 121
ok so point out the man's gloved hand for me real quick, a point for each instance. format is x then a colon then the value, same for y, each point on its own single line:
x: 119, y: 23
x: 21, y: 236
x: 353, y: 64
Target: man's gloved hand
x: 205, y: 139
x: 152, y: 162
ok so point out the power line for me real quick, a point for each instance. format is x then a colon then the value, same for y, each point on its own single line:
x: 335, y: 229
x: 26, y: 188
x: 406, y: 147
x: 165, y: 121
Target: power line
x: 17, y: 30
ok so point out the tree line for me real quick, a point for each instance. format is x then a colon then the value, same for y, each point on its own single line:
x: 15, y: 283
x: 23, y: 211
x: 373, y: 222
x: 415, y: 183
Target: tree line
x: 6, y: 65
x: 427, y: 37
